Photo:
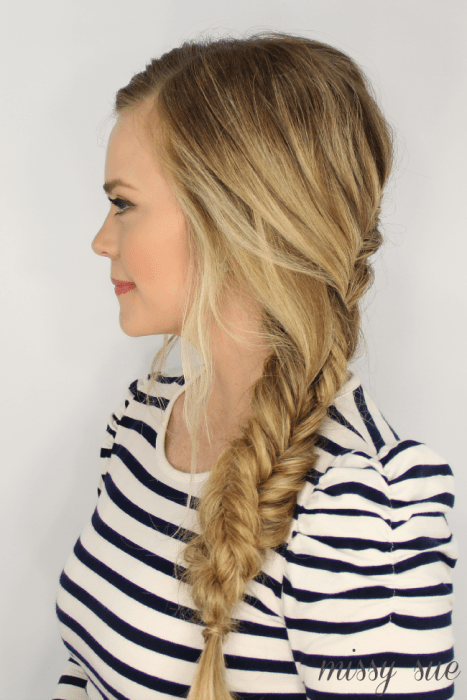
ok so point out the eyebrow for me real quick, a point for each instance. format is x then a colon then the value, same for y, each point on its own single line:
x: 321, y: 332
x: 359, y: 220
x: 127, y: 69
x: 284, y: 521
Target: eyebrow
x: 112, y: 184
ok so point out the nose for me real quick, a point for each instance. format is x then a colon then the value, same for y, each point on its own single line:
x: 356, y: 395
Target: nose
x: 104, y: 243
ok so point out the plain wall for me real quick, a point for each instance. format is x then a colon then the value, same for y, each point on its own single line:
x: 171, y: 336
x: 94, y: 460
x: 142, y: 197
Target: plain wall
x: 66, y: 363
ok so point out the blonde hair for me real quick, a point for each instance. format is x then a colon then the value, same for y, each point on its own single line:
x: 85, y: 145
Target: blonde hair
x: 278, y: 155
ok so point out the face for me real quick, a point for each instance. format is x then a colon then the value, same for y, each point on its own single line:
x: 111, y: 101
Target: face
x: 147, y: 241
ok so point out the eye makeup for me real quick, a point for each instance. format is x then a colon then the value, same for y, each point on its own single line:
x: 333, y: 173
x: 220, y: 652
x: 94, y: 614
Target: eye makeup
x: 120, y: 203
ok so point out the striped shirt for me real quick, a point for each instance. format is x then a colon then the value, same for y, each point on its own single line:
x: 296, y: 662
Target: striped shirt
x: 356, y: 603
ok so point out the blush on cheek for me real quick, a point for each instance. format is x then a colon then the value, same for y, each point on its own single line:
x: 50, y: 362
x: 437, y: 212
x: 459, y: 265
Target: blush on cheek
x: 156, y: 255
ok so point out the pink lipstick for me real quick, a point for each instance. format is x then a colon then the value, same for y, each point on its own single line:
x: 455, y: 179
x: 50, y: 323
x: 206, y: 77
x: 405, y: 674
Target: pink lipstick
x: 122, y: 287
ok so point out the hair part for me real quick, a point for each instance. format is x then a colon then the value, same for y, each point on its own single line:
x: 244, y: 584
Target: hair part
x: 278, y: 155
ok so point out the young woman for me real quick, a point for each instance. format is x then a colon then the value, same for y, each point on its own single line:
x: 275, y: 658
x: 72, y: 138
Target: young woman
x: 246, y: 178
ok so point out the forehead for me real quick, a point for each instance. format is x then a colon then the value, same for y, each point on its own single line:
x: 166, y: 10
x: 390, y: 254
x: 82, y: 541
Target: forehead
x: 127, y: 137
x: 133, y: 150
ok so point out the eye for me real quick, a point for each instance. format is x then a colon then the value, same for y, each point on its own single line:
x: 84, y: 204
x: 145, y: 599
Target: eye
x: 120, y: 203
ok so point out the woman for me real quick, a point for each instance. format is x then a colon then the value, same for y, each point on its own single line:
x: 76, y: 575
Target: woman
x: 247, y: 177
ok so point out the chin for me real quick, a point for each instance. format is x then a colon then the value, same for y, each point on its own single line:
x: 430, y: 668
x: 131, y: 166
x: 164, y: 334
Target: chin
x: 130, y: 329
x: 133, y: 332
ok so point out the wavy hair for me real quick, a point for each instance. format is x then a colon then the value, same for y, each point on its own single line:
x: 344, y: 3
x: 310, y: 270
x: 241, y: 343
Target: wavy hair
x: 278, y: 154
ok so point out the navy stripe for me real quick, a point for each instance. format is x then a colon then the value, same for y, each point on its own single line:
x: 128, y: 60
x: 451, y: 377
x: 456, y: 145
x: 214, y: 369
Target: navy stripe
x: 339, y: 418
x: 403, y: 621
x: 423, y: 694
x: 357, y: 545
x: 368, y: 418
x: 73, y: 680
x: 367, y: 593
x: 423, y: 472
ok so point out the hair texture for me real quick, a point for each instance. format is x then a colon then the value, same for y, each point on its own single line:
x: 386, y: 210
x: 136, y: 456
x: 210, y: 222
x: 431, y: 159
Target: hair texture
x: 278, y: 154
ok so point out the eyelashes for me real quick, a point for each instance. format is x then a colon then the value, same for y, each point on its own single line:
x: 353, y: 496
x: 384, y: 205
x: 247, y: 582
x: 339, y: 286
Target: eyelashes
x: 120, y: 203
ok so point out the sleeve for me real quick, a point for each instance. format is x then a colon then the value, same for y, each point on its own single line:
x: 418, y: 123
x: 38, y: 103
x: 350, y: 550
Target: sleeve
x: 72, y: 683
x: 367, y: 589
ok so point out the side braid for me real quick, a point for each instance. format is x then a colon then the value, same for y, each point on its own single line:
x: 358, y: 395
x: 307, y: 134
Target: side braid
x: 250, y: 501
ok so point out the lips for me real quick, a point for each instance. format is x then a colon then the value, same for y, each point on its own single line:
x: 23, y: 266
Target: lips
x: 121, y: 283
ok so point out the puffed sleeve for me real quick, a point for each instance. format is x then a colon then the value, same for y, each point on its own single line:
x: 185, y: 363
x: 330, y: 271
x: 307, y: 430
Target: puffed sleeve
x: 367, y: 590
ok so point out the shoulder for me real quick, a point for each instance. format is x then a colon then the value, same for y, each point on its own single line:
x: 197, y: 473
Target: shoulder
x: 131, y: 414
x: 368, y: 511
x: 150, y: 391
x: 138, y: 396
x: 363, y: 462
x: 402, y: 479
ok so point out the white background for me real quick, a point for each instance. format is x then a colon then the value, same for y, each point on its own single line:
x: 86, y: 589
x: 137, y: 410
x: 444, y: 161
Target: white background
x: 65, y: 360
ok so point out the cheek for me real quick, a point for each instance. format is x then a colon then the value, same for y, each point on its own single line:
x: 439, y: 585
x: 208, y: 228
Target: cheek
x: 159, y: 256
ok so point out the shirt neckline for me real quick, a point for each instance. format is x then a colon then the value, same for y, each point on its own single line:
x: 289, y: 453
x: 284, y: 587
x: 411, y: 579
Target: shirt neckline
x: 184, y: 477
x: 161, y: 457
